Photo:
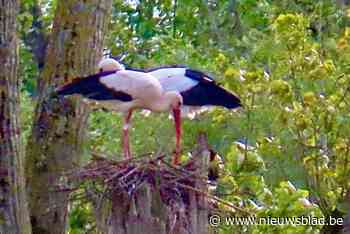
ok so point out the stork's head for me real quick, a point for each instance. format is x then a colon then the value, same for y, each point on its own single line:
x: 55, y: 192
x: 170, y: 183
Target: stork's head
x: 109, y: 64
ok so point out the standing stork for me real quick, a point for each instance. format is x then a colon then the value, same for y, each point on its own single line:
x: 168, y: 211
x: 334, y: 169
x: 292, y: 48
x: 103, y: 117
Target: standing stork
x: 196, y: 88
x: 124, y: 91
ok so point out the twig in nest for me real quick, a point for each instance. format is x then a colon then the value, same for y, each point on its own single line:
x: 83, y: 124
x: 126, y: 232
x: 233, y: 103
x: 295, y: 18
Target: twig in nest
x: 215, y: 198
x: 99, y: 156
x: 185, y: 169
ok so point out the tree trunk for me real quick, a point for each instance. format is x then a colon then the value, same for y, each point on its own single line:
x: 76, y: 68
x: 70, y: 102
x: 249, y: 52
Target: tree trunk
x: 55, y: 145
x: 14, y: 216
x: 147, y: 213
x: 342, y: 3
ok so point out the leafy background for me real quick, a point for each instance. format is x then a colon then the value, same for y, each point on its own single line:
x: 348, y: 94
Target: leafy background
x: 288, y: 60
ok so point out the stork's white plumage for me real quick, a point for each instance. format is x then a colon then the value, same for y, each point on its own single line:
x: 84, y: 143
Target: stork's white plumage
x: 173, y: 78
x: 110, y: 64
x: 196, y: 88
x: 124, y: 91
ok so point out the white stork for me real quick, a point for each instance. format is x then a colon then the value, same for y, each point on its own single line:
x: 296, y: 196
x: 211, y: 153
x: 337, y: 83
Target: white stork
x: 124, y: 91
x: 196, y: 88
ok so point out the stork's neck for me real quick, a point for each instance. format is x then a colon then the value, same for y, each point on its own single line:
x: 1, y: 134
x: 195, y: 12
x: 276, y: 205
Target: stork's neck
x: 162, y: 104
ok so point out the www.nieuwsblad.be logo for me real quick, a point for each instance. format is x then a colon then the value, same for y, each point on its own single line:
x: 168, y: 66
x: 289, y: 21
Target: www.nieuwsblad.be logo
x: 217, y: 220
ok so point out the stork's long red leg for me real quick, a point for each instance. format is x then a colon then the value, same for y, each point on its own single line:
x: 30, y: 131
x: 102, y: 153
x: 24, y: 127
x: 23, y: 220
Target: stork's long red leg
x: 177, y: 119
x: 125, y: 140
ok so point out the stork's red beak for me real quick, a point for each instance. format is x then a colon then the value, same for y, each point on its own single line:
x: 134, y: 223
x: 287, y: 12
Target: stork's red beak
x: 177, y: 119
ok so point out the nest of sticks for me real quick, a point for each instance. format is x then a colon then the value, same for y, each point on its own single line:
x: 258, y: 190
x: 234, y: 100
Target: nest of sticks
x: 128, y: 176
x: 174, y: 183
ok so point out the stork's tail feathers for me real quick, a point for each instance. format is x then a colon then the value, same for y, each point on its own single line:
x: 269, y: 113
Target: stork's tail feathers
x: 212, y: 95
x: 224, y: 98
x: 67, y: 89
x: 89, y: 87
x: 81, y: 86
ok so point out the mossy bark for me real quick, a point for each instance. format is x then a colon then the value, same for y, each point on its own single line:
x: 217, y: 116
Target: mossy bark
x: 14, y: 216
x: 55, y: 144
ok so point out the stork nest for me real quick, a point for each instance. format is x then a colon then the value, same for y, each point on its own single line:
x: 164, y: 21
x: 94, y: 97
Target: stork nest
x: 128, y: 176
x: 175, y: 183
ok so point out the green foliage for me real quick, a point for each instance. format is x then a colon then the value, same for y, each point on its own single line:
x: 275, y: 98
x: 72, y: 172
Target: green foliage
x: 28, y: 71
x: 80, y: 220
x: 289, y: 63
